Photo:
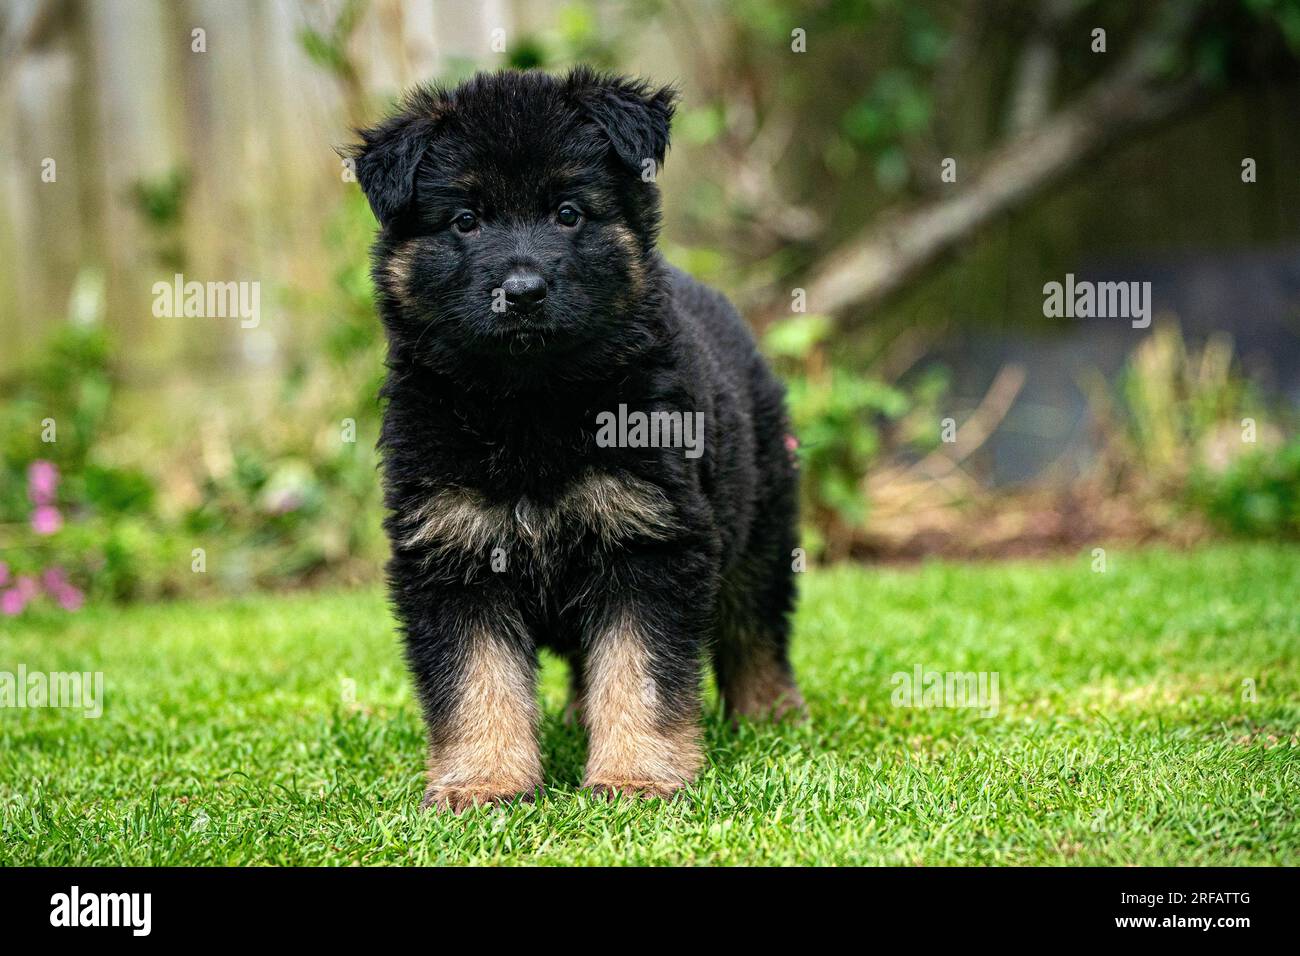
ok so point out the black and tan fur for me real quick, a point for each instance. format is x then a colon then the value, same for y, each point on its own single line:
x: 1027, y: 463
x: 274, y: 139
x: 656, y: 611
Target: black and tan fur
x: 511, y: 528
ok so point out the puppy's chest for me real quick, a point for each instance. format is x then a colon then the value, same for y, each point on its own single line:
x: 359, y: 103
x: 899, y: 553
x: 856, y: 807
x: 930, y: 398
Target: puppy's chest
x: 464, y: 526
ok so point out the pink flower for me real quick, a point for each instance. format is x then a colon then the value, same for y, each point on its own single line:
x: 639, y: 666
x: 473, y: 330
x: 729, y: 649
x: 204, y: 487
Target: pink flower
x: 42, y: 482
x: 26, y: 587
x: 69, y: 598
x: 4, y: 574
x: 54, y: 579
x: 12, y: 602
x: 46, y: 519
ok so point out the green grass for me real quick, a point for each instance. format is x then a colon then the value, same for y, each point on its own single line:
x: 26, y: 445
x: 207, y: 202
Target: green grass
x: 1122, y: 737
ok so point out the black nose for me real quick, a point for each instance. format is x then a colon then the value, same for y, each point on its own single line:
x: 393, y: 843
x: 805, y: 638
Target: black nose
x: 524, y: 290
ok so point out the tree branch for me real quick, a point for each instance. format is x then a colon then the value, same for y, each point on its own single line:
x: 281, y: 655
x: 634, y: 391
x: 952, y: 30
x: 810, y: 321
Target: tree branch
x: 885, y: 257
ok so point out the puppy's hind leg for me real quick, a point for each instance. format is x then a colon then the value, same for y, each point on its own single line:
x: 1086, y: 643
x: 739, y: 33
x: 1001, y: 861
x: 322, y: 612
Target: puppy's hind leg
x: 572, y: 715
x: 751, y: 657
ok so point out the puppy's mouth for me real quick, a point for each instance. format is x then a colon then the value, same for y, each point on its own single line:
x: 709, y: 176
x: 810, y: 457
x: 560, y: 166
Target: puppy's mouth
x: 517, y: 331
x: 514, y: 323
x: 541, y: 339
x: 547, y: 317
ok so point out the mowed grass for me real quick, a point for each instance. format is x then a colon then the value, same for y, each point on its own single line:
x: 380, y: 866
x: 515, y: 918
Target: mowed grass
x: 1125, y: 733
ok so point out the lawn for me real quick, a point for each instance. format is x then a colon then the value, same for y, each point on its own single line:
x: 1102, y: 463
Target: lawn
x: 1146, y: 715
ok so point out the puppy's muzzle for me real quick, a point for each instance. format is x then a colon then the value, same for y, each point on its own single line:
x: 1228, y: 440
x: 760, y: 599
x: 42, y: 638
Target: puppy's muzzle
x: 525, y: 291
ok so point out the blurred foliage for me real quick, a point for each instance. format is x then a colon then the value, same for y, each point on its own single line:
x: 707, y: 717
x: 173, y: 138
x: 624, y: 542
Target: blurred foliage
x: 1257, y: 496
x: 1283, y: 14
x: 269, y: 500
x: 298, y: 490
x: 845, y: 421
x: 1191, y: 430
x: 328, y: 48
x: 786, y: 161
x: 58, y: 412
x: 574, y: 36
x: 1176, y: 401
x: 160, y: 203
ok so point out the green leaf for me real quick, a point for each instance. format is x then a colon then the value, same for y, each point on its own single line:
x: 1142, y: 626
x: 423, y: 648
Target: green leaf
x: 796, y: 337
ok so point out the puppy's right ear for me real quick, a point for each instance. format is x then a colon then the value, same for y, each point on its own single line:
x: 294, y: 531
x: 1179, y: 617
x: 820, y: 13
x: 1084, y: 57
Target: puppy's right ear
x: 389, y: 154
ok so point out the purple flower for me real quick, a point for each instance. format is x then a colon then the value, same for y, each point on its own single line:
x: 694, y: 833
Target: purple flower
x: 42, y: 481
x: 12, y: 602
x: 46, y: 519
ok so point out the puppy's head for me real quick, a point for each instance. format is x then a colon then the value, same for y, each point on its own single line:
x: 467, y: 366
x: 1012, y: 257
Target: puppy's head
x: 518, y: 214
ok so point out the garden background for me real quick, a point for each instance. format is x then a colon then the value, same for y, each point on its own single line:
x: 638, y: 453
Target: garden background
x: 884, y: 187
x: 940, y: 411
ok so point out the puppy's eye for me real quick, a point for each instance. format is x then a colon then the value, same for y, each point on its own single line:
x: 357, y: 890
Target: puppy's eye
x: 465, y: 222
x: 566, y: 215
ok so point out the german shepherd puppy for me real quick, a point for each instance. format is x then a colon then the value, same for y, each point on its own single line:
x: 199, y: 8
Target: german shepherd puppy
x: 583, y: 448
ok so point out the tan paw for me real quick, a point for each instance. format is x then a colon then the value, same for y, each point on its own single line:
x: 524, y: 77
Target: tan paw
x: 457, y: 798
x: 784, y: 710
x: 767, y: 701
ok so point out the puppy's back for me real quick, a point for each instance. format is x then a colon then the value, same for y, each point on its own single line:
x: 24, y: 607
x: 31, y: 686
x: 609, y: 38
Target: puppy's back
x: 710, y: 323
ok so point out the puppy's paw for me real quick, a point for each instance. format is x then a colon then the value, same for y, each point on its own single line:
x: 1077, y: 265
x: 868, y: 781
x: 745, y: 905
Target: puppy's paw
x: 459, y: 797
x: 784, y: 707
x: 635, y: 789
x: 764, y: 694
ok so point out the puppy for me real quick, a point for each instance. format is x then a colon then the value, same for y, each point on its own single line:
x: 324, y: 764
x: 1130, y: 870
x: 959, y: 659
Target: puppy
x: 582, y: 447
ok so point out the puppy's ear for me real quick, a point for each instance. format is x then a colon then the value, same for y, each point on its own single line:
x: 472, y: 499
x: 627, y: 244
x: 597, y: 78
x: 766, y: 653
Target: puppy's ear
x: 389, y: 154
x: 635, y: 116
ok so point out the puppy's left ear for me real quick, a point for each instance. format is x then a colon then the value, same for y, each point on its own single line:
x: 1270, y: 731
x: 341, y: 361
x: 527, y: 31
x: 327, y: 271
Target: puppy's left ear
x: 389, y: 154
x: 635, y: 116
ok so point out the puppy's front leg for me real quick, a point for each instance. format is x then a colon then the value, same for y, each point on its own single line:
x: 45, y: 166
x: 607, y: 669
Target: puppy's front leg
x: 641, y: 700
x: 478, y: 684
